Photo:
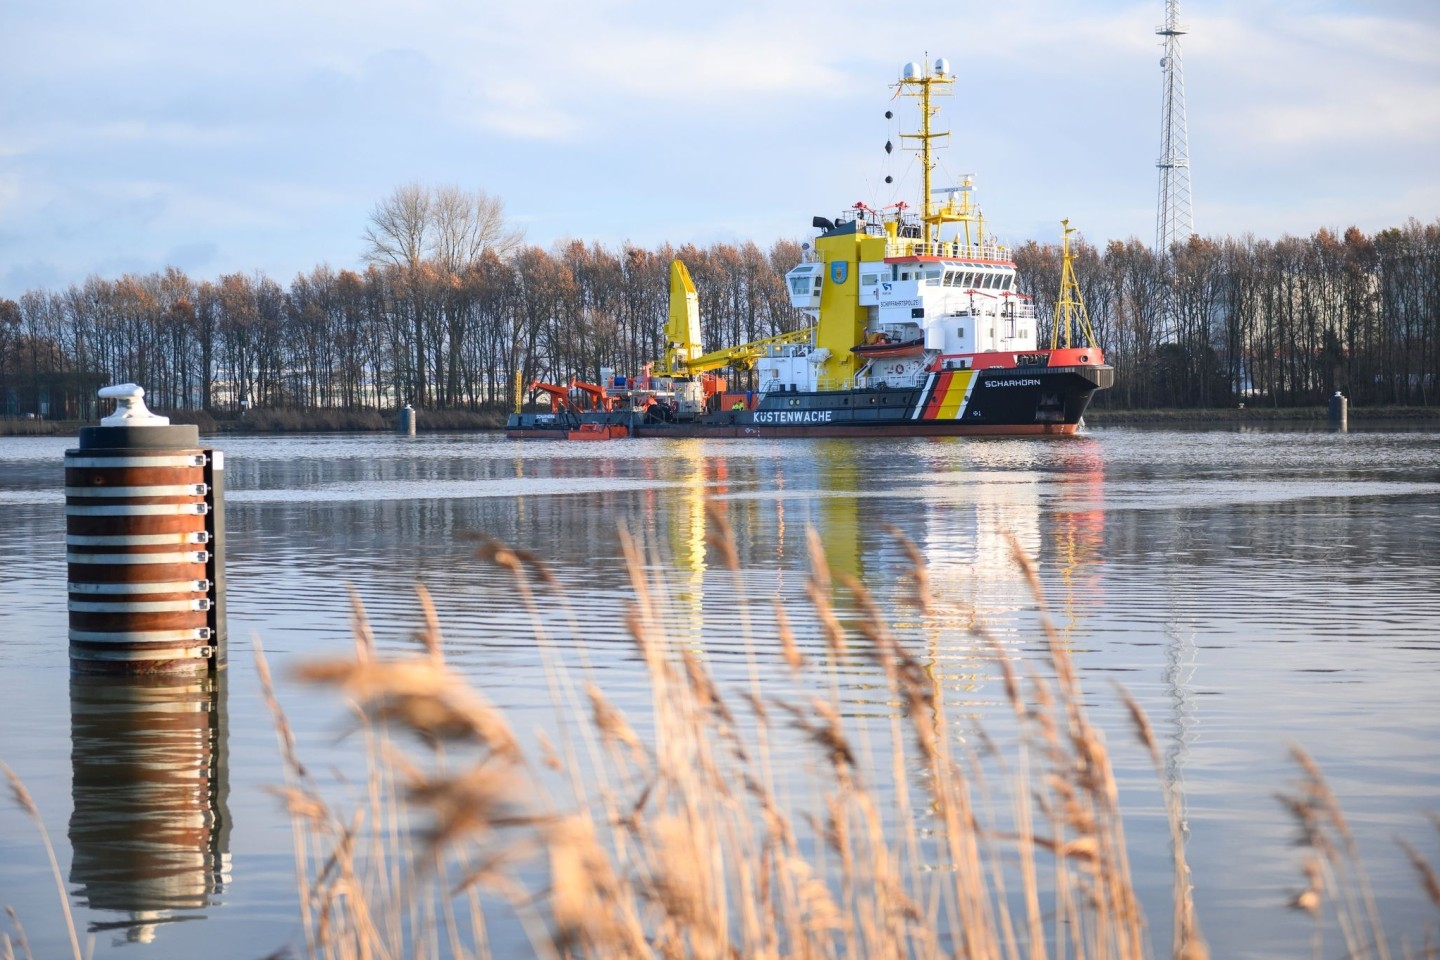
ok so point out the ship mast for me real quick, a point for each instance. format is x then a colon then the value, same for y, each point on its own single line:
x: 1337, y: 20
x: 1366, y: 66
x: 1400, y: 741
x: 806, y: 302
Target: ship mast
x: 916, y: 81
x: 1070, y: 309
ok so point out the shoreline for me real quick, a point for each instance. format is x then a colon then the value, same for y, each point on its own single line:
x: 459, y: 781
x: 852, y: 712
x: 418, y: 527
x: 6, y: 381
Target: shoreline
x: 265, y: 422
x: 1186, y: 417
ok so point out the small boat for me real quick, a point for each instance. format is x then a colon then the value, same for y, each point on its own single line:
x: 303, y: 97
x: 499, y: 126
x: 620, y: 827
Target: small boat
x: 885, y: 349
x: 591, y: 430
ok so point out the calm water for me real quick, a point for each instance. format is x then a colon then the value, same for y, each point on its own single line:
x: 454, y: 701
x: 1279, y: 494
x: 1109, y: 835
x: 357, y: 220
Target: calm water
x: 1253, y: 589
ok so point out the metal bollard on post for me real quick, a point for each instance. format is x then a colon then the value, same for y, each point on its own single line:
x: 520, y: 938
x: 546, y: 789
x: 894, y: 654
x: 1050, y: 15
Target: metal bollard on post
x: 144, y: 544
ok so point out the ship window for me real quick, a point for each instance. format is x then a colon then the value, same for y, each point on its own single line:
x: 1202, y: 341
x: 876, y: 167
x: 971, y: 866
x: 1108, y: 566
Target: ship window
x: 969, y: 282
x: 800, y: 286
x: 1024, y: 334
x: 960, y: 332
x: 1007, y: 282
x: 869, y: 279
x: 905, y: 275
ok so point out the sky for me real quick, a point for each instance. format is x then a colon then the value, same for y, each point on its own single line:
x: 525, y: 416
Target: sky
x: 259, y: 136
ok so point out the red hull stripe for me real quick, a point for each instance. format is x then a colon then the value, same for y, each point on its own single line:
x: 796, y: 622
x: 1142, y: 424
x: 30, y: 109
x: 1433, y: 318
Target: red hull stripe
x: 937, y: 396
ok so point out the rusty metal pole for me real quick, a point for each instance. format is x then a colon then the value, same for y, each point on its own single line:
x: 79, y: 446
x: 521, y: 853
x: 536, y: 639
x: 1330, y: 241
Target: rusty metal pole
x: 139, y: 534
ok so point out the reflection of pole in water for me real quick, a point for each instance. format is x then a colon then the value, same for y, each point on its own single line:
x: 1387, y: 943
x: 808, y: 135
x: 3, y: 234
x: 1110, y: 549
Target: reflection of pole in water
x: 1179, y: 672
x: 150, y: 829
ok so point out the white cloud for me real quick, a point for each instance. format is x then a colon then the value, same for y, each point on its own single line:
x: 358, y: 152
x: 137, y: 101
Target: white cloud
x: 269, y: 129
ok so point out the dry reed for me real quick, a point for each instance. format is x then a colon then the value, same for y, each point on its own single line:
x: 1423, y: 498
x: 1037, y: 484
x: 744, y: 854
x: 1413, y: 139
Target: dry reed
x: 695, y: 841
x: 691, y: 843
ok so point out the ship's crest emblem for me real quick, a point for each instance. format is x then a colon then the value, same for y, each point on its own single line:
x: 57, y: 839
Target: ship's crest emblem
x: 839, y: 270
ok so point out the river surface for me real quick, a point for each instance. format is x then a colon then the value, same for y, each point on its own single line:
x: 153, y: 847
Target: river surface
x: 1253, y: 589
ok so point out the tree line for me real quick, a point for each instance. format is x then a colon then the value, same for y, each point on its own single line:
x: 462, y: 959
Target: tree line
x: 1285, y: 322
x: 452, y: 303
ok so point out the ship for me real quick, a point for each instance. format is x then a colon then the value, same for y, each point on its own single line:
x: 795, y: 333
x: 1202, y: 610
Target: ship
x: 916, y: 327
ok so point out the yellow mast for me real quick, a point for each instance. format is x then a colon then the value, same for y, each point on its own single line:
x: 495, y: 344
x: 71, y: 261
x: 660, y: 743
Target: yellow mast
x: 1070, y: 307
x: 919, y: 82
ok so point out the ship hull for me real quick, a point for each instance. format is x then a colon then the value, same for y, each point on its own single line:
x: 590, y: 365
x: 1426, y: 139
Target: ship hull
x: 995, y: 402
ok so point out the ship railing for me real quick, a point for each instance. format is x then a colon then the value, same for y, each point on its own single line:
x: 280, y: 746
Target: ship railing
x: 1019, y: 309
x: 835, y: 383
x: 946, y: 249
x: 876, y: 381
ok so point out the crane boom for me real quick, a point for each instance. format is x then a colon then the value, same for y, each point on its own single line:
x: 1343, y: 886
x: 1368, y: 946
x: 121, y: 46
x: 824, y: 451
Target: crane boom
x: 744, y: 356
x: 682, y: 335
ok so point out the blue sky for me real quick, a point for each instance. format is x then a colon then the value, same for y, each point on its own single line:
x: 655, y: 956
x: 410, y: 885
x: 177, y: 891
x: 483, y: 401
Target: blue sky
x: 224, y: 137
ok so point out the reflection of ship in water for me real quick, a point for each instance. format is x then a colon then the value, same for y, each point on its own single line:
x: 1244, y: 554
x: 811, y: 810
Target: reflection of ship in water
x: 960, y: 514
x: 150, y: 829
x: 969, y: 523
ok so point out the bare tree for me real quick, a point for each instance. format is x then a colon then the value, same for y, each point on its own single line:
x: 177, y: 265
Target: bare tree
x: 400, y: 225
x: 466, y: 226
x: 450, y: 227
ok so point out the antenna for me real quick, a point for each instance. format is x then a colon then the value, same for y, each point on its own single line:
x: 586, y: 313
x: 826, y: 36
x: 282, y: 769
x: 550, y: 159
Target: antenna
x: 1174, y: 218
x: 917, y: 81
x: 1174, y: 221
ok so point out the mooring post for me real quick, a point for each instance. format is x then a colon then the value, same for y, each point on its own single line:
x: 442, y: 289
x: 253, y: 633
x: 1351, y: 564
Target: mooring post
x: 1339, y: 410
x: 144, y: 544
x: 405, y: 423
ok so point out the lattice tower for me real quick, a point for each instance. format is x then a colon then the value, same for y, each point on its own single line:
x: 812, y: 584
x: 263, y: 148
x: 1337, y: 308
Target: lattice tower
x: 1174, y: 221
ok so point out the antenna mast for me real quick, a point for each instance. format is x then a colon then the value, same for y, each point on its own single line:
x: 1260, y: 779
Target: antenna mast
x: 1174, y: 220
x: 917, y: 81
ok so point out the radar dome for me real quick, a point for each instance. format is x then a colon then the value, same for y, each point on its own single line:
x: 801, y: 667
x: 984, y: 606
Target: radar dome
x: 942, y: 67
x: 911, y: 71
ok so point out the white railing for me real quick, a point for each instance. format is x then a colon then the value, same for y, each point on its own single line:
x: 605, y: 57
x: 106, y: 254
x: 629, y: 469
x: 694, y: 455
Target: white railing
x: 949, y: 250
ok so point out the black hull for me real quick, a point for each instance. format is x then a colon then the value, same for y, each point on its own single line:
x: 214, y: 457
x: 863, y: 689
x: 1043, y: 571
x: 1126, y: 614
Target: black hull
x: 996, y: 402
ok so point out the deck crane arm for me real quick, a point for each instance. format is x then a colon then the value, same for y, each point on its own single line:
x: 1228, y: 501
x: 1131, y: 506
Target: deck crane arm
x: 599, y: 399
x: 744, y: 356
x: 682, y: 335
x: 559, y: 396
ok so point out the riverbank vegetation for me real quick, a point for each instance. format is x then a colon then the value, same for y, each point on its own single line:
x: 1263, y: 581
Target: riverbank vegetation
x: 751, y: 810
x: 452, y: 305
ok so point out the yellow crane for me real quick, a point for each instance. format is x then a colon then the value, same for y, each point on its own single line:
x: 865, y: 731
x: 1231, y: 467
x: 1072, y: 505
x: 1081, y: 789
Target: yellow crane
x: 682, y: 336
